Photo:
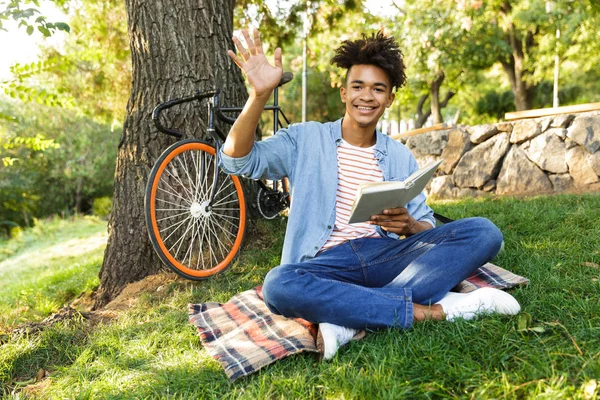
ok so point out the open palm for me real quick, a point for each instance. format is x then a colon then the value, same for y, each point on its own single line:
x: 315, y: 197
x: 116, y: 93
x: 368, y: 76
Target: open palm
x: 262, y: 76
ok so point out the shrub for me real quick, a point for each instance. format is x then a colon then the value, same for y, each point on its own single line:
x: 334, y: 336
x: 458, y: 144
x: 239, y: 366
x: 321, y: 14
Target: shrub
x: 102, y: 206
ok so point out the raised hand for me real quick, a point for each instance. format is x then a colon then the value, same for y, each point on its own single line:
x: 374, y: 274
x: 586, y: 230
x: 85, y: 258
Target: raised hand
x: 262, y: 76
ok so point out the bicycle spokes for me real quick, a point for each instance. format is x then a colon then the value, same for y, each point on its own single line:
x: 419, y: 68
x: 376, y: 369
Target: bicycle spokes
x: 194, y: 234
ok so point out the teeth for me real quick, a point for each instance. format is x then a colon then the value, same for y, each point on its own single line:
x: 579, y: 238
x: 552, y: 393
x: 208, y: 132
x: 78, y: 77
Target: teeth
x: 365, y: 108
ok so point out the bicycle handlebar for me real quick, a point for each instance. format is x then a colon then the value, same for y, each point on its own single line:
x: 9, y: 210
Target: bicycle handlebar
x: 214, y: 94
x: 161, y: 107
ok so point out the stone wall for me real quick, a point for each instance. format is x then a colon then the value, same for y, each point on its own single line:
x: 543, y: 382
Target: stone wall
x: 531, y: 156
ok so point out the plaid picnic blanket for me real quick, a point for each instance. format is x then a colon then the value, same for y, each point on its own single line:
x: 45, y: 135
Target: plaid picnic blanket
x: 244, y: 336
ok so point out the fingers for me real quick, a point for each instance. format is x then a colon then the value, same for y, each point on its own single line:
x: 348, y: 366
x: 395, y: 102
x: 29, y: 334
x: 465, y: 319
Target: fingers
x: 257, y: 42
x: 249, y: 42
x: 241, y: 48
x: 277, y: 58
x: 395, y: 211
x: 235, y: 58
x: 254, y: 46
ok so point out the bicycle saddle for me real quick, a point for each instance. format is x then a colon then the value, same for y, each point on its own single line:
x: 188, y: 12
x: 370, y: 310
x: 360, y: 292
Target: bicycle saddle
x: 285, y: 78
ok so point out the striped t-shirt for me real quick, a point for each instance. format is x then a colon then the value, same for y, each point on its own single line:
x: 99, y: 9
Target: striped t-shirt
x: 355, y: 166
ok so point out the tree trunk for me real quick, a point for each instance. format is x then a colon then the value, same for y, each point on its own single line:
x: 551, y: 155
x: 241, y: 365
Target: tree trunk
x: 521, y: 91
x: 436, y: 111
x: 177, y: 47
x: 436, y: 105
x: 422, y: 116
x: 78, y: 195
x: 514, y: 66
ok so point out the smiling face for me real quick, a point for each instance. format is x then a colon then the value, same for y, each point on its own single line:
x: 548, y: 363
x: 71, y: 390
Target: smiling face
x: 367, y: 94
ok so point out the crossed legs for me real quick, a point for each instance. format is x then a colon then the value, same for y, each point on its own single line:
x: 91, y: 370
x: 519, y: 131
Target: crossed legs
x: 381, y: 282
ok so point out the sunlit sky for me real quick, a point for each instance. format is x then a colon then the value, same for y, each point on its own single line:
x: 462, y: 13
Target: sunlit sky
x: 18, y: 47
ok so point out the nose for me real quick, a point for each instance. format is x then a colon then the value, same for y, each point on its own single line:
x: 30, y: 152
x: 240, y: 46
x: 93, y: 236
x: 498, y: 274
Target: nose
x: 366, y: 95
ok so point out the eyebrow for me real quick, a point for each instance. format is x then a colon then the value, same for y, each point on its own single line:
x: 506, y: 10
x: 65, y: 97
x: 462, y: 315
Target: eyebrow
x: 375, y: 84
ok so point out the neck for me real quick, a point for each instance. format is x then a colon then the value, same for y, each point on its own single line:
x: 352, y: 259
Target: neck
x: 360, y: 136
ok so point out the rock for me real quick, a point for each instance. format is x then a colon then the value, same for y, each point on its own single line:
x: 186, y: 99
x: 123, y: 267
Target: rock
x: 562, y: 121
x: 524, y: 130
x: 560, y: 132
x: 580, y: 167
x: 545, y: 123
x: 428, y: 143
x: 520, y: 175
x: 480, y: 164
x: 481, y: 133
x: 423, y: 160
x: 570, y: 144
x: 470, y: 192
x: 548, y: 152
x: 595, y: 162
x: 585, y: 130
x: 504, y: 127
x: 561, y: 182
x: 458, y: 144
x: 442, y: 187
x: 489, y: 186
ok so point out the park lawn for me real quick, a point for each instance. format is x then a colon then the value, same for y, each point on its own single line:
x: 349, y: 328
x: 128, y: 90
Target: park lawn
x: 47, y: 266
x: 551, y: 350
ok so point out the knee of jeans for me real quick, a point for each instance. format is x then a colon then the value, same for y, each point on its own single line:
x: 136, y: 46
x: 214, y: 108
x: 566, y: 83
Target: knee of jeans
x: 273, y: 290
x: 489, y: 233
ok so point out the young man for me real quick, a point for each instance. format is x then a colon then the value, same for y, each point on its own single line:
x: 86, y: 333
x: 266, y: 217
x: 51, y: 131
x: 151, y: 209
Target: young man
x: 393, y: 270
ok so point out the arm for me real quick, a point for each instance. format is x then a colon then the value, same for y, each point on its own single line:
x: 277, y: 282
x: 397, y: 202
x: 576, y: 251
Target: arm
x: 262, y: 78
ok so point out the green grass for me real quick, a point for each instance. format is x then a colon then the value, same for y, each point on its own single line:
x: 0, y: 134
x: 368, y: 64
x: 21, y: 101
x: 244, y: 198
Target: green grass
x: 151, y: 351
x: 45, y: 267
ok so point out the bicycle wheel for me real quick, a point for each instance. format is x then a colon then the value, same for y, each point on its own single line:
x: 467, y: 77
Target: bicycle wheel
x: 191, y: 237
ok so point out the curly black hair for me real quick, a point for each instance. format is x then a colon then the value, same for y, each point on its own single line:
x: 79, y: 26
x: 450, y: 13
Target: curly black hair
x: 375, y: 49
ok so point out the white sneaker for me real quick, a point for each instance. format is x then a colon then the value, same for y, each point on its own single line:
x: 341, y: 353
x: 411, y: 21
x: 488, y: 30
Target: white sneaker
x: 480, y: 301
x: 331, y: 337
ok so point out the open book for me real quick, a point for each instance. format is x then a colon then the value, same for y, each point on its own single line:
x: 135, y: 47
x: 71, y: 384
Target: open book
x: 373, y: 197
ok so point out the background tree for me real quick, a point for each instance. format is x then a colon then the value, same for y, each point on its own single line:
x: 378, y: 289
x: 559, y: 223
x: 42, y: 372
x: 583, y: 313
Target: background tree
x: 74, y: 96
x: 90, y: 72
x: 524, y: 34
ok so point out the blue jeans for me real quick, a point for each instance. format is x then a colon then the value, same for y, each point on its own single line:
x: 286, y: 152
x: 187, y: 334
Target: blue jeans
x: 373, y: 282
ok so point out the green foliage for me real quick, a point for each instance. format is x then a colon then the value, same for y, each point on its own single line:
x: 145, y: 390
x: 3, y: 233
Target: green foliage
x: 282, y: 22
x: 24, y: 11
x: 101, y: 207
x: 59, y: 171
x: 90, y: 72
x: 496, y: 104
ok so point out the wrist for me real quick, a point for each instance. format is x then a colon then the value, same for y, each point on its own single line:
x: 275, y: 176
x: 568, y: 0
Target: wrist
x: 417, y: 226
x: 263, y: 97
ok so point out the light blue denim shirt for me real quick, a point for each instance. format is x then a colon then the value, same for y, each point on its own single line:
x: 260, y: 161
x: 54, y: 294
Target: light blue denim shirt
x: 307, y: 154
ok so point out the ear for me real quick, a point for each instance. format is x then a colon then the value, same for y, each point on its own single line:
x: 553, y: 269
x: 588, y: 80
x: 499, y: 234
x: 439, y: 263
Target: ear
x: 343, y: 93
x: 390, y: 100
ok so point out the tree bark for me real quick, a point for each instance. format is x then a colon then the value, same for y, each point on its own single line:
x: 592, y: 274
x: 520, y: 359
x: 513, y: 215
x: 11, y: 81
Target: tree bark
x: 436, y: 107
x: 514, y: 66
x: 177, y: 47
x: 422, y: 116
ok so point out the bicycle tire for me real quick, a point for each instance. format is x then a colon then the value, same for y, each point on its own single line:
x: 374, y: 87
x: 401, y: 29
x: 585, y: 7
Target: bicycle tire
x: 176, y: 200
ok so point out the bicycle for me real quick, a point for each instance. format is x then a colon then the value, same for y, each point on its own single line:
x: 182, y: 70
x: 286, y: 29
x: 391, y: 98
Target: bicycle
x: 195, y: 213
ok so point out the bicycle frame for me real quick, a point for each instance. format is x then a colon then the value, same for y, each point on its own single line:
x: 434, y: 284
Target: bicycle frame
x: 216, y: 135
